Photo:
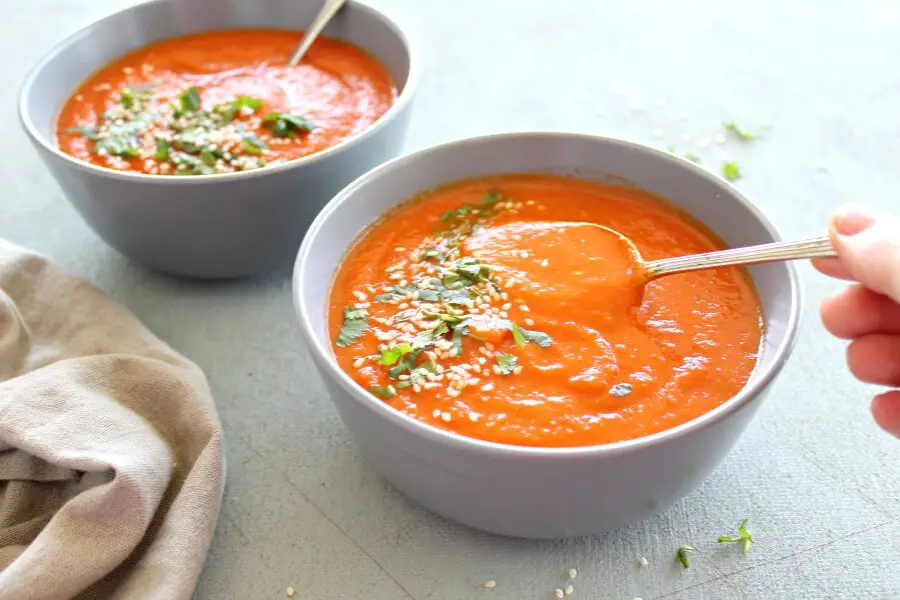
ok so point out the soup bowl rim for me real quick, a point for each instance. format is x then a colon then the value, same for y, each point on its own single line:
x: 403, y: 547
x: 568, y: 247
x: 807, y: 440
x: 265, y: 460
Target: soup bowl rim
x: 323, y: 354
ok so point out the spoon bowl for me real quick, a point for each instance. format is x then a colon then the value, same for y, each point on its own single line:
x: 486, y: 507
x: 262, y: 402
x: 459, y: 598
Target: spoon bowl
x: 645, y: 271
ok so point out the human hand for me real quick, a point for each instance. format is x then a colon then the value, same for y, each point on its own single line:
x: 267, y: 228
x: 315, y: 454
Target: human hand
x: 868, y: 311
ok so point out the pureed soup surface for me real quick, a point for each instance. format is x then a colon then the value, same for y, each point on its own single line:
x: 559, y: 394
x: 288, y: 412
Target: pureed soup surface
x: 223, y: 101
x: 483, y: 308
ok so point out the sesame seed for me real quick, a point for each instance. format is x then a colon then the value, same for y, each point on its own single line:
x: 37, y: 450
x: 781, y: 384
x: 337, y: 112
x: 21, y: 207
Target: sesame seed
x: 506, y: 306
x: 490, y: 584
x: 436, y: 413
x: 358, y: 362
x: 473, y: 417
x: 573, y: 573
x: 644, y: 562
x: 497, y: 370
x: 529, y: 322
x: 545, y: 262
x: 569, y: 590
x: 289, y: 592
x: 488, y: 386
x: 558, y: 593
x: 361, y: 296
x: 445, y: 417
x: 517, y: 370
x: 524, y: 308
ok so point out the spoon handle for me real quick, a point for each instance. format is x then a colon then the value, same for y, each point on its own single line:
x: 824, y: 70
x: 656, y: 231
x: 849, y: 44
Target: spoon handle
x: 778, y: 251
x: 325, y: 14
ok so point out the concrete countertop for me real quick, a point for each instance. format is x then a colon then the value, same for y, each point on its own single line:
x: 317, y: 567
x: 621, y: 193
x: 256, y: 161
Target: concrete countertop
x: 819, y: 482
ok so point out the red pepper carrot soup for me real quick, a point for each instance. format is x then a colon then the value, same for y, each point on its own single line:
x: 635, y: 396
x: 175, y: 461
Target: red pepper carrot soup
x: 483, y: 308
x: 221, y: 102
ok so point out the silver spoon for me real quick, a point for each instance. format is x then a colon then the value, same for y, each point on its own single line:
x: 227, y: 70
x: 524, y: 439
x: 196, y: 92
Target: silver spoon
x: 329, y: 9
x: 818, y: 247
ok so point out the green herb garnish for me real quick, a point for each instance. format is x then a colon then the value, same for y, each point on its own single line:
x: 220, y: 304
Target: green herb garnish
x: 620, y: 390
x: 287, y: 124
x: 731, y: 171
x: 189, y: 100
x: 162, y: 149
x: 506, y: 362
x: 434, y: 254
x: 356, y: 321
x: 744, y: 537
x: 521, y: 335
x: 233, y: 108
x: 682, y: 555
x: 387, y: 392
x: 393, y: 355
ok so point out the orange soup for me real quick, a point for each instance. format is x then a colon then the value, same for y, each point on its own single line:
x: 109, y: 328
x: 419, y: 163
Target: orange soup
x: 483, y: 308
x: 221, y: 102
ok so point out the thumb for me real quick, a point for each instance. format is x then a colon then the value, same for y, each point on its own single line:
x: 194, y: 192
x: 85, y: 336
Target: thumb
x: 868, y: 246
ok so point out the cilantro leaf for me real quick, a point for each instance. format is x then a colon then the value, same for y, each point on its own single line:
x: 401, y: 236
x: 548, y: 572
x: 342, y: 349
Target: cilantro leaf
x: 506, y: 362
x: 731, y: 171
x: 283, y: 124
x: 393, y: 355
x: 682, y: 555
x: 744, y: 537
x: 387, y: 392
x: 162, y: 149
x: 189, y: 100
x: 620, y: 390
x: 434, y: 253
x: 237, y: 104
x: 356, y: 321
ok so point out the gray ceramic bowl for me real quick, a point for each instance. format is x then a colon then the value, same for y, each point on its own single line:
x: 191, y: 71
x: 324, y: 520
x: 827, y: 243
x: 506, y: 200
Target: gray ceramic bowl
x: 540, y: 492
x: 212, y: 226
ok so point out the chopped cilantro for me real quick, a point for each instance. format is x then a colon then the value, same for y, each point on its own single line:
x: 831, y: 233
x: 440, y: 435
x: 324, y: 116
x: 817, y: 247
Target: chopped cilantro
x: 744, y: 537
x: 506, y: 362
x: 356, y: 321
x: 682, y: 555
x: 393, y: 355
x: 286, y: 124
x: 620, y: 390
x: 162, y: 149
x: 387, y: 392
x: 731, y: 171
x: 235, y: 106
x: 521, y: 335
x: 435, y: 254
x: 252, y: 144
x: 189, y: 100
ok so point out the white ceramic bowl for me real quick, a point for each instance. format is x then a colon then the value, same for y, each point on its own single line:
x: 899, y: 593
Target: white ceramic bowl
x: 541, y: 492
x: 212, y: 226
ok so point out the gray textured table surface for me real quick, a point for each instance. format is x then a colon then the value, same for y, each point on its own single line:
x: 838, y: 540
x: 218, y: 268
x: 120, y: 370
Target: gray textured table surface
x: 820, y: 483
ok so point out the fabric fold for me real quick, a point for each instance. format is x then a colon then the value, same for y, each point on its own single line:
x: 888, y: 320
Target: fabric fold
x: 111, y: 466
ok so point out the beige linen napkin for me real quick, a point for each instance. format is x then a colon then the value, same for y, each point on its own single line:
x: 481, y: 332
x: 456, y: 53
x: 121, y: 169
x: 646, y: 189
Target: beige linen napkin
x: 110, y: 447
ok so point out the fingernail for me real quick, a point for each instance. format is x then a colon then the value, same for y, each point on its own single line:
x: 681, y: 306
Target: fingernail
x: 852, y: 219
